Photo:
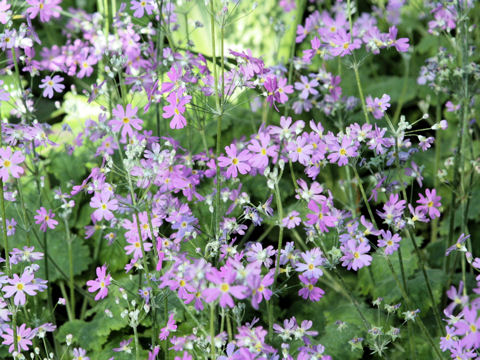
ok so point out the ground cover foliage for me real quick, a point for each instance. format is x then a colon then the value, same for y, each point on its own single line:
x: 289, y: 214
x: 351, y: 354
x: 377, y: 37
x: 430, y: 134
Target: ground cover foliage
x: 239, y: 180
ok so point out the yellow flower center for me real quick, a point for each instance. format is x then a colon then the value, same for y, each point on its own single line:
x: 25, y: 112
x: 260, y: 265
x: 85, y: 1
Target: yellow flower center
x: 126, y: 120
x: 261, y: 288
x: 389, y: 242
x: 346, y: 45
x: 310, y: 287
x: 224, y: 287
x: 343, y: 152
x: 356, y: 254
x: 234, y: 161
x: 182, y: 283
x: 20, y: 286
x: 137, y: 244
x: 311, y: 267
x: 7, y: 163
x: 264, y: 152
x: 430, y: 204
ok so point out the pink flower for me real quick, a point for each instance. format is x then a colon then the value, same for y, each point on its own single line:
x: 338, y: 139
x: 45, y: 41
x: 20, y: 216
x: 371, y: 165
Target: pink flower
x: 135, y: 247
x: 321, y: 216
x: 46, y: 9
x: 261, y: 149
x: 309, y: 290
x: 24, y: 337
x: 125, y: 120
x: 100, y: 283
x: 11, y: 227
x: 80, y: 354
x: 141, y: 6
x: 222, y: 287
x: 4, y: 13
x: 50, y: 85
x: 259, y: 288
x: 341, y: 44
x: 176, y: 108
x: 44, y: 219
x: 355, y: 256
x: 430, y: 203
x: 19, y: 286
x: 292, y: 220
x: 389, y: 242
x: 171, y: 327
x: 104, y: 205
x: 378, y: 106
x: 86, y: 66
x: 9, y: 163
x: 236, y: 163
x: 310, y: 268
x: 340, y: 152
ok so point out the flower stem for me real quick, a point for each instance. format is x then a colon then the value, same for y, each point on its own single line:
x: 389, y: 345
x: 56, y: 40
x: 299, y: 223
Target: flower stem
x: 212, y: 331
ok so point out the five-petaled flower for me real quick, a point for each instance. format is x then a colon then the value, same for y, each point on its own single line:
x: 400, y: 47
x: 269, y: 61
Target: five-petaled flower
x: 100, y: 283
x: 45, y: 219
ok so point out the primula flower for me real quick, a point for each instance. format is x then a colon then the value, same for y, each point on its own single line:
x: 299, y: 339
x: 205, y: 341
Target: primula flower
x: 321, y: 216
x: 340, y: 152
x: 469, y: 326
x: 356, y: 255
x: 257, y: 254
x: 176, y: 108
x: 80, y: 354
x: 11, y: 227
x: 19, y: 286
x: 306, y: 86
x: 235, y: 163
x: 124, y: 346
x: 9, y: 162
x: 261, y: 149
x: 45, y: 8
x: 458, y: 245
x: 311, y: 266
x: 104, y: 204
x: 4, y: 16
x: 126, y: 120
x: 24, y: 337
x: 378, y: 106
x: 309, y: 290
x: 45, y: 219
x: 341, y: 45
x: 389, y: 242
x: 142, y: 6
x: 100, y: 283
x: 292, y: 220
x: 259, y: 288
x: 223, y: 288
x: 170, y: 327
x: 50, y: 85
x: 430, y: 203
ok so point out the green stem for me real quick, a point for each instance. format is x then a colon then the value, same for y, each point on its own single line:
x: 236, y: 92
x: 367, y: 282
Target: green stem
x: 137, y: 343
x: 70, y: 268
x: 212, y: 331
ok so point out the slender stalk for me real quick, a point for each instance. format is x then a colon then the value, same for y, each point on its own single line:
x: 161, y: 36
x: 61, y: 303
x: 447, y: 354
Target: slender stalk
x: 137, y: 343
x: 212, y: 331
x: 355, y: 66
x: 219, y: 113
x: 70, y: 268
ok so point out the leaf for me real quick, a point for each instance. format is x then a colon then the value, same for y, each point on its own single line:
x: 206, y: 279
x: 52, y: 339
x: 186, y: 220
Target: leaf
x: 336, y: 342
x: 391, y: 85
x: 57, y: 246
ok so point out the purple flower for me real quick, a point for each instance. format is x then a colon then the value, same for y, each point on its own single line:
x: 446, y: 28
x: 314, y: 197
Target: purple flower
x: 311, y: 266
x: 469, y: 326
x: 430, y: 203
x: 257, y: 254
x: 309, y: 290
x: 125, y: 119
x: 292, y: 220
x: 415, y: 172
x: 235, y: 163
x: 9, y: 163
x: 321, y: 216
x: 45, y: 219
x: 51, y: 85
x: 222, y: 287
x: 45, y: 8
x: 355, y: 255
x: 456, y: 297
x: 24, y: 337
x: 142, y: 6
x: 11, y: 227
x: 458, y: 245
x: 389, y: 242
x: 124, y: 346
x: 176, y: 108
x: 259, y: 285
x: 100, y: 283
x: 170, y: 327
x: 104, y: 204
x: 341, y: 151
x: 19, y: 286
x: 306, y: 86
x: 378, y: 106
